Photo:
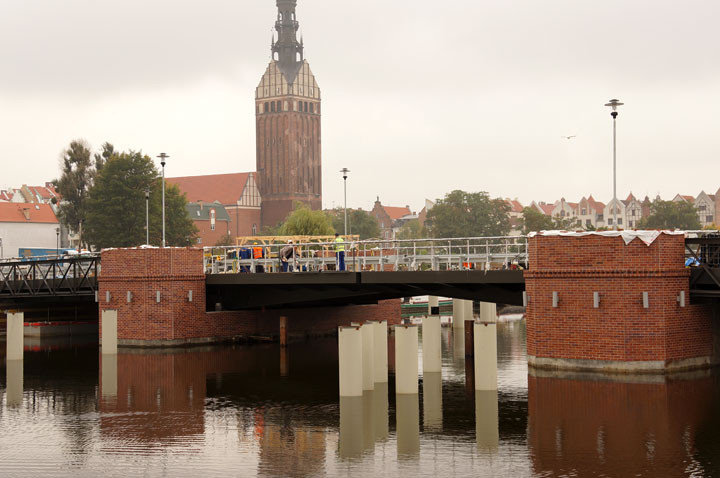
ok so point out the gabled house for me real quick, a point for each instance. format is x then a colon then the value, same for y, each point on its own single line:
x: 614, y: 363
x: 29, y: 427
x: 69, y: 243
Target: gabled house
x: 565, y: 210
x: 238, y: 193
x: 386, y: 217
x: 706, y: 208
x: 516, y: 216
x: 591, y: 213
x: 212, y: 221
x: 615, y: 208
x: 542, y: 207
x: 27, y: 225
x: 633, y: 211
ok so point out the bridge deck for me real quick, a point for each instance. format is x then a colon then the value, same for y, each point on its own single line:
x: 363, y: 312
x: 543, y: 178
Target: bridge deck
x: 253, y: 291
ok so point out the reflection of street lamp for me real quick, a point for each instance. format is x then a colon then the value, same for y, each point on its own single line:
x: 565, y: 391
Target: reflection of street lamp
x: 614, y: 105
x: 163, y: 157
x: 345, y: 172
x: 147, y: 216
x: 57, y: 241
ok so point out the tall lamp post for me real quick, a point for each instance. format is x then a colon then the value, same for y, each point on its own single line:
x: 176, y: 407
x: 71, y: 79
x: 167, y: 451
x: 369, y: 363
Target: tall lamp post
x: 147, y: 216
x: 345, y: 172
x: 614, y: 105
x: 57, y: 242
x: 163, y: 157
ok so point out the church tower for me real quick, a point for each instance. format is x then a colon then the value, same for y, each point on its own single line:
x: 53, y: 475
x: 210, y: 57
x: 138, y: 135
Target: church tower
x: 287, y: 110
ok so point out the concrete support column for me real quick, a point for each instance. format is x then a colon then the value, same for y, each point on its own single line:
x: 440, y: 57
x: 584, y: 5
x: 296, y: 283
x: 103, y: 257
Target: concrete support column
x: 108, y: 369
x: 458, y: 314
x: 15, y: 335
x: 380, y: 411
x: 351, y: 426
x: 380, y: 342
x: 487, y: 431
x: 488, y: 312
x: 433, y: 301
x: 368, y: 355
x: 406, y: 359
x: 431, y: 344
x: 350, y: 362
x: 485, y: 355
x: 108, y: 325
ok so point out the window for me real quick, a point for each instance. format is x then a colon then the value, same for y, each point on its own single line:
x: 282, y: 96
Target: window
x: 279, y: 105
x: 583, y: 212
x: 709, y: 218
x: 312, y: 108
x: 610, y: 222
x: 632, y: 224
x: 702, y: 208
x: 272, y: 106
x: 254, y: 230
x: 306, y: 107
x: 619, y: 221
x: 199, y: 240
x: 266, y: 107
x: 588, y: 223
x: 632, y: 213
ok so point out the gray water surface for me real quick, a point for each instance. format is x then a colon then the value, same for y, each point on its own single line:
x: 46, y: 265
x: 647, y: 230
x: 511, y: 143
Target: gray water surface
x: 256, y: 410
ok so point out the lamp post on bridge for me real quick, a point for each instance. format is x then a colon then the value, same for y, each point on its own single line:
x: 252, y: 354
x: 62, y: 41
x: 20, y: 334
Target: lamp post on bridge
x: 163, y: 157
x: 614, y: 105
x: 147, y: 216
x: 345, y: 172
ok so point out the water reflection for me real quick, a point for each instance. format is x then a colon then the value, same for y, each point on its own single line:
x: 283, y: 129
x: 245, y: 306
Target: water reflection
x: 616, y: 426
x: 14, y: 377
x: 432, y: 402
x: 487, y: 431
x: 407, y: 415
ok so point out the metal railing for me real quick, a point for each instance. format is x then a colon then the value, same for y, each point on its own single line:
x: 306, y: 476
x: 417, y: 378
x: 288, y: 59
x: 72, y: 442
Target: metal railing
x: 72, y: 275
x: 466, y: 253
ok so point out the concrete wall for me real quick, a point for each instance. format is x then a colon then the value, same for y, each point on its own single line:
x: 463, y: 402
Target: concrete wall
x: 620, y: 335
x: 17, y: 235
x: 175, y: 320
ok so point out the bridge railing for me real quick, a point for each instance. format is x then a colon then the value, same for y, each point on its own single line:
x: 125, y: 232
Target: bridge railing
x: 373, y: 255
x: 69, y: 275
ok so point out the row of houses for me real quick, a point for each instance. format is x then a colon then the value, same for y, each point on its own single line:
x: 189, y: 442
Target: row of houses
x: 28, y: 219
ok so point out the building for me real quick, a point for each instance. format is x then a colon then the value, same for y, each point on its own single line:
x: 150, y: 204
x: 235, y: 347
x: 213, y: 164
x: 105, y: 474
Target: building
x: 633, y: 212
x: 566, y: 211
x: 212, y: 220
x: 238, y: 194
x: 516, y: 216
x: 543, y: 208
x: 615, y: 207
x: 387, y: 216
x: 591, y: 213
x: 706, y: 205
x: 287, y: 109
x: 27, y: 225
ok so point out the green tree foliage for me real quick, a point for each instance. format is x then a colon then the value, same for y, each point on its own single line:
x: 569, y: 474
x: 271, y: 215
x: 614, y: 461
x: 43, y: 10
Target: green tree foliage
x: 116, y: 205
x: 671, y: 215
x: 463, y: 214
x: 226, y: 240
x: 305, y: 222
x: 411, y: 230
x: 535, y: 221
x: 360, y: 222
x: 76, y: 179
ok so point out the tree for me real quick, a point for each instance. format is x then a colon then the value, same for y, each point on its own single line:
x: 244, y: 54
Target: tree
x: 360, y: 222
x: 116, y: 205
x: 226, y: 240
x: 463, y: 214
x: 76, y: 179
x: 305, y: 222
x: 671, y: 215
x: 535, y: 221
x: 412, y: 229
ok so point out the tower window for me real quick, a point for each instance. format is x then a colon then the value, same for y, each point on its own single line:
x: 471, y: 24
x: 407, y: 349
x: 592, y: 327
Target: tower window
x: 306, y: 107
x: 279, y: 105
x: 272, y: 106
x: 312, y: 108
x: 266, y: 107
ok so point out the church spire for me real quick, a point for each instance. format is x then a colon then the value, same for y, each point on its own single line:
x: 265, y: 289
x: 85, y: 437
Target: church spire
x: 287, y: 50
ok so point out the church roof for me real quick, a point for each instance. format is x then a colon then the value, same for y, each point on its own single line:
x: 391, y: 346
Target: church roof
x: 227, y: 189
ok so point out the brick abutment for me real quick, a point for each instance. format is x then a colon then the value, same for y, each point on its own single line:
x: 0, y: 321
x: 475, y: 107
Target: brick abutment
x: 596, y: 303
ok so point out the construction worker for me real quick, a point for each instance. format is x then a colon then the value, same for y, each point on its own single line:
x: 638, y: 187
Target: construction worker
x: 339, y: 252
x: 258, y: 253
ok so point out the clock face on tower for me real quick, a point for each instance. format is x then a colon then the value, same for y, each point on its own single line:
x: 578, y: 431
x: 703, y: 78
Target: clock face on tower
x: 287, y: 109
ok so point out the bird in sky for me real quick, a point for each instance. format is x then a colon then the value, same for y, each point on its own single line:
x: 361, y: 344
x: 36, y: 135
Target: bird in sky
x: 569, y: 137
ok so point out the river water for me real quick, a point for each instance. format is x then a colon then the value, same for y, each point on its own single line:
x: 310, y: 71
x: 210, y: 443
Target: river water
x: 256, y: 410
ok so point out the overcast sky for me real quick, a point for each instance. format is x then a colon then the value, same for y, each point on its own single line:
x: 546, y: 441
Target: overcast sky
x: 419, y: 97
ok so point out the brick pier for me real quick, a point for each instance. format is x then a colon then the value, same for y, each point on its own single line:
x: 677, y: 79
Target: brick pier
x: 621, y: 335
x: 131, y: 279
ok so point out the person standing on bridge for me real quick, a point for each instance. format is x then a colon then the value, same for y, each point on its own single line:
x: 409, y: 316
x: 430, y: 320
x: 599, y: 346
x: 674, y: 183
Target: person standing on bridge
x: 287, y: 254
x: 339, y: 252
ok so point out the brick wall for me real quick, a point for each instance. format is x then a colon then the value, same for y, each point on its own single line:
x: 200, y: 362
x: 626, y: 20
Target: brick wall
x: 209, y: 237
x: 621, y: 329
x: 175, y: 320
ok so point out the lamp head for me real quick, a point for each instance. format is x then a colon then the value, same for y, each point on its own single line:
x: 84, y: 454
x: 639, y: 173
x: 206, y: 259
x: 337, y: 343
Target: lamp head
x: 163, y: 157
x: 614, y: 104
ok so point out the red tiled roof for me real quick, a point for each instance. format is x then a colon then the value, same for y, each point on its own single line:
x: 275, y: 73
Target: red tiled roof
x: 515, y: 206
x: 226, y: 189
x: 547, y: 208
x: 689, y: 198
x: 396, y: 213
x: 4, y: 196
x: 43, y: 192
x: 38, y: 213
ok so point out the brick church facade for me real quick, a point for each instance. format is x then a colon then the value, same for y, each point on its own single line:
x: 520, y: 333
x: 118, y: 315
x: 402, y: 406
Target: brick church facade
x: 288, y: 142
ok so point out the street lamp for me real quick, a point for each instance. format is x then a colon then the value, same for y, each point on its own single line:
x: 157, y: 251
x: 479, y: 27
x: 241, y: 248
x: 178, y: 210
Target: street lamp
x: 614, y: 105
x: 147, y: 216
x: 163, y: 157
x: 57, y: 242
x: 345, y: 172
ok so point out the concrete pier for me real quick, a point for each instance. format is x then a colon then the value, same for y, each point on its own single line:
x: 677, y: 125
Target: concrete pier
x: 351, y: 427
x: 433, y: 301
x: 458, y: 319
x: 14, y: 345
x: 108, y: 369
x: 368, y: 355
x: 108, y: 331
x: 485, y: 355
x: 14, y: 376
x: 406, y: 359
x: 488, y: 312
x: 431, y: 344
x: 380, y: 343
x: 350, y: 362
x: 283, y: 331
x: 380, y: 411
